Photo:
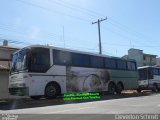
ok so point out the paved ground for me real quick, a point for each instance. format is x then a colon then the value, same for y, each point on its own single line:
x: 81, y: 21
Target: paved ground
x: 109, y: 104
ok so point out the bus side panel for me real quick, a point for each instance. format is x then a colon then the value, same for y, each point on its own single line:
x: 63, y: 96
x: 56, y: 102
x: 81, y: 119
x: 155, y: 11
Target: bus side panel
x: 59, y: 76
x: 38, y: 82
x: 86, y: 79
x: 155, y: 80
x: 128, y: 78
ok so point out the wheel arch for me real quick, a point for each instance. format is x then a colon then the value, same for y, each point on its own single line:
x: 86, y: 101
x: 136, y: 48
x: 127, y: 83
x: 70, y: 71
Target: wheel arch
x: 112, y: 82
x: 121, y: 83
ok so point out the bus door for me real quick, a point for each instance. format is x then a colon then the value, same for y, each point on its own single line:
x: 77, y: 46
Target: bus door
x: 150, y: 76
x: 143, y: 77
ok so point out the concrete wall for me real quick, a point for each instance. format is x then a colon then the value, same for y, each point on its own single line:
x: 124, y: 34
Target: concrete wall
x: 136, y: 55
x: 5, y: 54
x: 4, y: 93
x: 158, y: 61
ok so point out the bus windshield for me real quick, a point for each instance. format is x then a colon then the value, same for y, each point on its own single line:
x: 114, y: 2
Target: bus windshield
x: 31, y: 60
x: 19, y: 61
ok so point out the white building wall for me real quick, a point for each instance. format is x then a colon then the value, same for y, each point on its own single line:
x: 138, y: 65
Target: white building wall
x: 6, y: 53
x: 4, y: 76
x: 136, y: 55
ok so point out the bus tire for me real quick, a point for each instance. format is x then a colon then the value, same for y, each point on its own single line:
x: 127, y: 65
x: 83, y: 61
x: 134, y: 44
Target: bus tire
x: 155, y: 88
x: 35, y: 97
x: 52, y: 90
x: 111, y: 88
x: 119, y: 88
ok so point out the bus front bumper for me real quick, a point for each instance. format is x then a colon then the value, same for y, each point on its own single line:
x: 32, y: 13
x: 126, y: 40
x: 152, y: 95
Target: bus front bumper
x: 19, y: 91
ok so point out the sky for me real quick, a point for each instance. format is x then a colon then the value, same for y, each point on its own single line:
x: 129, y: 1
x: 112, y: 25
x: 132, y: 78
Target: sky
x: 68, y: 24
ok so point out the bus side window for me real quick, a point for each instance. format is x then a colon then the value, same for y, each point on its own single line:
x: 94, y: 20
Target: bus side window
x: 155, y: 71
x: 150, y: 73
x: 97, y: 62
x: 80, y: 60
x: 158, y: 71
x: 62, y: 57
x: 39, y: 60
x: 121, y: 64
x: 131, y: 66
x: 110, y: 63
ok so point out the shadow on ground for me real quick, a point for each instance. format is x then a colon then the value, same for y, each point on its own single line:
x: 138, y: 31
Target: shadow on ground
x: 29, y: 103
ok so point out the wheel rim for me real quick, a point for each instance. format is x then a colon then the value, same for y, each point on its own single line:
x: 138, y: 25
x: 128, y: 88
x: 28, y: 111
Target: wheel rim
x: 51, y: 91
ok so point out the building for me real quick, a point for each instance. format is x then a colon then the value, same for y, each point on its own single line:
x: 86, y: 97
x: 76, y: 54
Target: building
x: 5, y: 58
x: 141, y: 58
x: 158, y: 61
x: 4, y: 82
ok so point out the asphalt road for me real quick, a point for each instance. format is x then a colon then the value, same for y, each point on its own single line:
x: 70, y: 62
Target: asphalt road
x: 143, y: 103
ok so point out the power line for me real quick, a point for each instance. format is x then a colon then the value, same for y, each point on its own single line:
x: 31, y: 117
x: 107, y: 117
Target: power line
x: 51, y: 10
x: 136, y: 37
x: 113, y: 22
x: 94, y: 14
x: 6, y: 28
x: 73, y: 7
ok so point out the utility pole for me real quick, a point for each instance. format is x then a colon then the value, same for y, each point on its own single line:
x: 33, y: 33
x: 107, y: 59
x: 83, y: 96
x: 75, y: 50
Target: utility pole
x: 99, y: 32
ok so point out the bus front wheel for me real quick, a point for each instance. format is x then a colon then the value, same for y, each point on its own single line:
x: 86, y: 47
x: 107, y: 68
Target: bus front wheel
x: 155, y: 88
x: 52, y: 90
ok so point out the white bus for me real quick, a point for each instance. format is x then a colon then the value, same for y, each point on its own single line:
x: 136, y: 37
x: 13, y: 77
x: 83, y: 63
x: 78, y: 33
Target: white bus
x: 149, y: 78
x: 48, y: 71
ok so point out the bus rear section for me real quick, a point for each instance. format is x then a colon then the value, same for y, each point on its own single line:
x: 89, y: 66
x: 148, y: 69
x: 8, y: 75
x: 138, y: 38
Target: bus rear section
x: 149, y: 78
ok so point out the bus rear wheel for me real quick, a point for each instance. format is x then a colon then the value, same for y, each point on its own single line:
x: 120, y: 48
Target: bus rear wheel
x: 139, y: 90
x: 52, y: 90
x: 111, y: 88
x: 119, y: 88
